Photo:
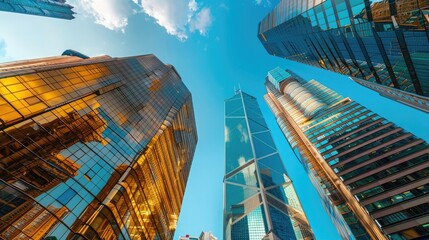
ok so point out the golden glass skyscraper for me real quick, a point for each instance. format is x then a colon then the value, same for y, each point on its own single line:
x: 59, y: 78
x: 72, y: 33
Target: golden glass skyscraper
x: 372, y: 176
x: 93, y: 148
x: 259, y: 199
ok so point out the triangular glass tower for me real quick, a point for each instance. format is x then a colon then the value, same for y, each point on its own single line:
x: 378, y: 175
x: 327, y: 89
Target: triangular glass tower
x: 260, y: 201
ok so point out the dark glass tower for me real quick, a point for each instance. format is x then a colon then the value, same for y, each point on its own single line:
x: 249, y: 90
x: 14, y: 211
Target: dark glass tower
x: 371, y: 174
x: 46, y: 8
x: 260, y: 201
x: 383, y: 41
x: 96, y: 148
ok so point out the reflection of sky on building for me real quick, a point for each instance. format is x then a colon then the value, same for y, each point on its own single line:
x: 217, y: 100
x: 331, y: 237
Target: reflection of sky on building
x: 332, y: 211
x: 238, y: 147
x: 94, y: 172
x: 85, y: 190
x: 333, y: 143
x: 46, y: 8
x: 244, y: 135
x: 256, y: 185
x: 296, y: 113
x: 382, y: 42
x: 125, y: 108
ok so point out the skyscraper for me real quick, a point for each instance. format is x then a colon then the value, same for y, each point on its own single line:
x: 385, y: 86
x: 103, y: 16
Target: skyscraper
x: 259, y: 199
x: 46, y: 8
x: 381, y: 41
x: 371, y: 175
x: 94, y: 148
x: 203, y: 236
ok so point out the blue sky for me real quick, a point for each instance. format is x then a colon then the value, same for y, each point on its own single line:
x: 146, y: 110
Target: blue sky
x: 214, y: 47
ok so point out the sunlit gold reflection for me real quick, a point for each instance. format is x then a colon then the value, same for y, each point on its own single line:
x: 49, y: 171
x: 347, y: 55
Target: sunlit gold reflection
x: 78, y: 152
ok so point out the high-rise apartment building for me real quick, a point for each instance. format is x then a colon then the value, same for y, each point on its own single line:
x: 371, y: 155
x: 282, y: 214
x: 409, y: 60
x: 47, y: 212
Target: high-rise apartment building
x: 95, y: 148
x: 383, y: 41
x: 46, y: 8
x: 372, y: 176
x: 259, y: 199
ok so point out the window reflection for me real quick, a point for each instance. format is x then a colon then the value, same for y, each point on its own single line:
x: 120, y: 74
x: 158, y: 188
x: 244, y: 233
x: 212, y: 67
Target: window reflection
x: 376, y: 41
x: 94, y: 149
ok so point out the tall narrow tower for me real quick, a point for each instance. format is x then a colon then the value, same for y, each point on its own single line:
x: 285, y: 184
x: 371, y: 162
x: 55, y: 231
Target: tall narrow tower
x: 371, y: 175
x: 260, y: 201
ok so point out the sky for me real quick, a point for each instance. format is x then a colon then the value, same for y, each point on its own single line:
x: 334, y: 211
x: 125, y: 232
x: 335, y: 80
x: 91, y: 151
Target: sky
x: 213, y: 45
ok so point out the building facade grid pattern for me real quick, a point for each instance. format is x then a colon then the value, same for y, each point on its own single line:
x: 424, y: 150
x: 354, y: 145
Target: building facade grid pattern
x: 372, y: 172
x: 383, y: 42
x: 93, y: 148
x: 46, y: 8
x: 260, y: 201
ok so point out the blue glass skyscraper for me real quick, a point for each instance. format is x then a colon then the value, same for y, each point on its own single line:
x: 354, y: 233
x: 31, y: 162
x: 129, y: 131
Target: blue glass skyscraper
x: 385, y: 42
x: 260, y: 201
x: 46, y: 8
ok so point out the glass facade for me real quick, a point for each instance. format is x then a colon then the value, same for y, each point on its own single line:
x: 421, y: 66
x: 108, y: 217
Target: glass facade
x: 373, y: 173
x: 385, y: 42
x: 259, y: 199
x: 46, y: 8
x: 96, y: 148
x: 413, y: 100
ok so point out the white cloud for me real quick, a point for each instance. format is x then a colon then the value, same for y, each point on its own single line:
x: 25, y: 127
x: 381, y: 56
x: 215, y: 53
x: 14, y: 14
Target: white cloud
x: 3, y: 52
x: 173, y: 15
x: 227, y: 139
x: 178, y: 17
x: 193, y: 6
x: 224, y: 6
x: 248, y: 172
x: 112, y: 14
x: 244, y: 134
x: 265, y: 3
x: 202, y: 21
x: 2, y: 48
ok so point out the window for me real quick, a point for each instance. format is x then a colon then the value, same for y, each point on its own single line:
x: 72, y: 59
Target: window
x: 66, y: 196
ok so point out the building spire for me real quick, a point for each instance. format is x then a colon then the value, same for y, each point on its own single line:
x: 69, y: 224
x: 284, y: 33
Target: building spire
x: 236, y: 91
